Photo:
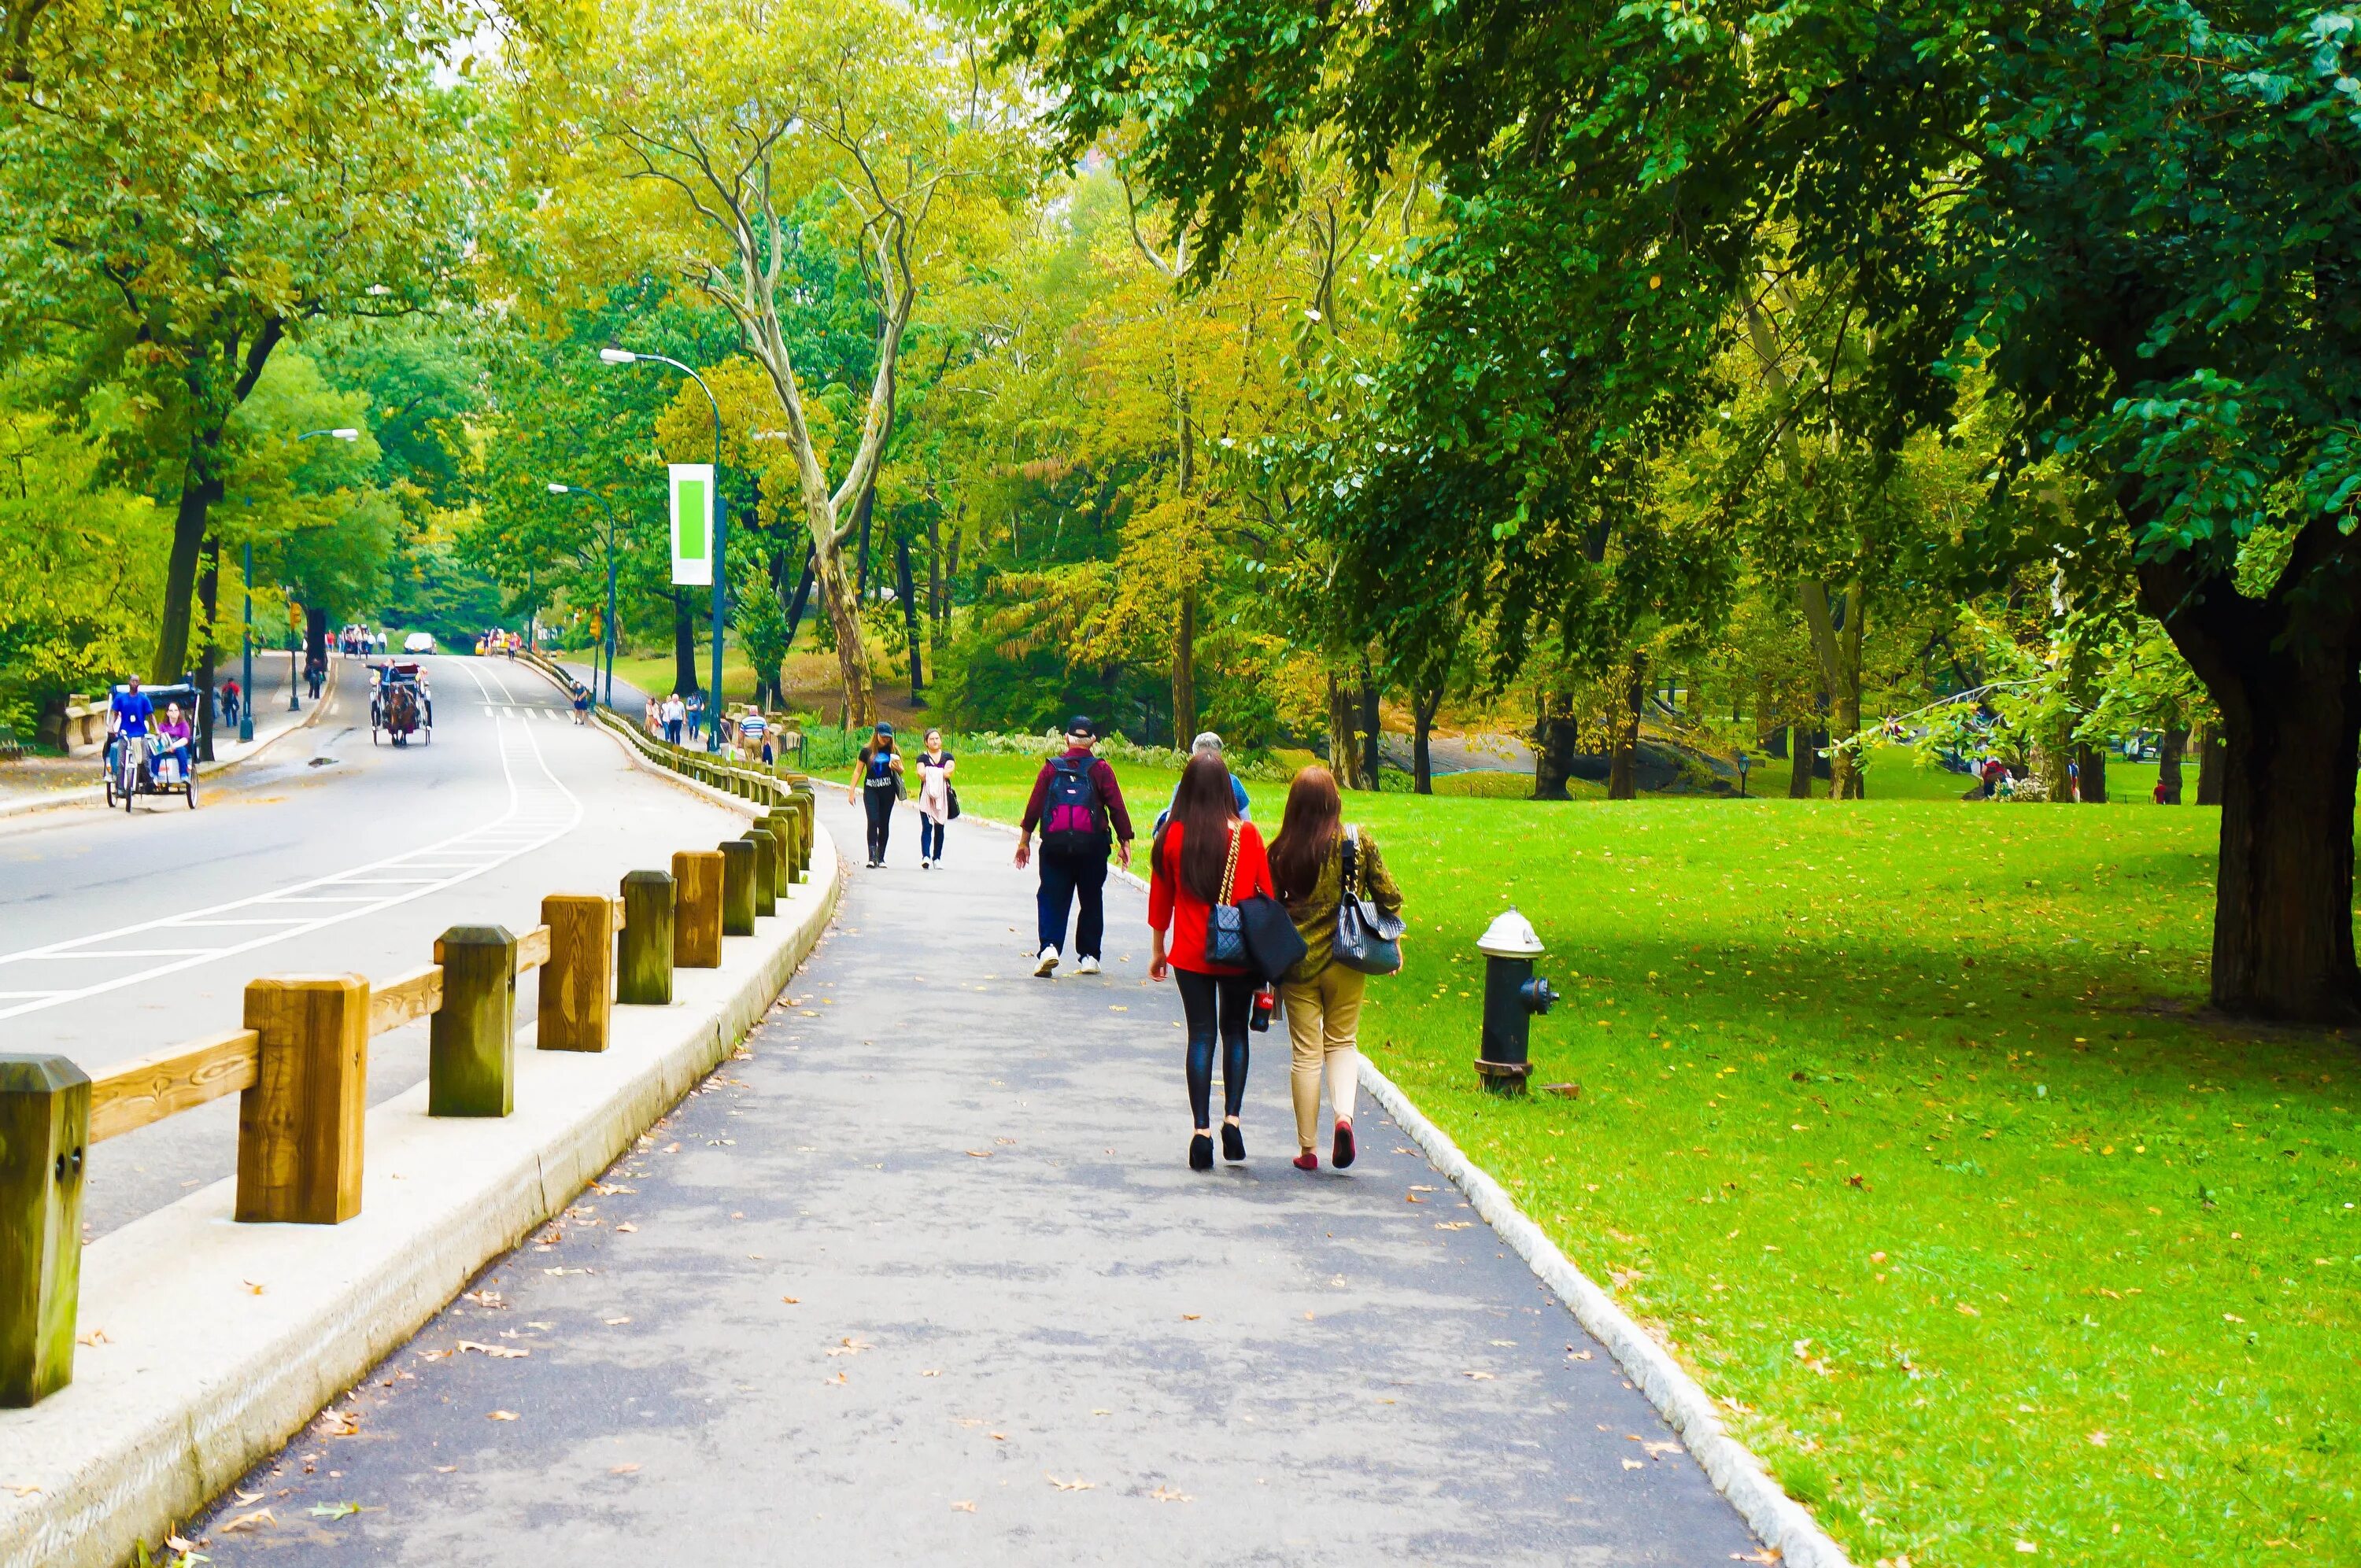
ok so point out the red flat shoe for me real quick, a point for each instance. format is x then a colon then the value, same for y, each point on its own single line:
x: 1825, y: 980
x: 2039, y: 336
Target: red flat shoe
x: 1343, y: 1153
x: 1307, y: 1161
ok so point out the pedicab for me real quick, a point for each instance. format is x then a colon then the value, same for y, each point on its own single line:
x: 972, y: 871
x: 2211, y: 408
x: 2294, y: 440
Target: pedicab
x: 154, y: 763
x: 401, y: 703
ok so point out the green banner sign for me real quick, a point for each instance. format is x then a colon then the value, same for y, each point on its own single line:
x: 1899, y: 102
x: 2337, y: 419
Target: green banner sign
x: 692, y: 523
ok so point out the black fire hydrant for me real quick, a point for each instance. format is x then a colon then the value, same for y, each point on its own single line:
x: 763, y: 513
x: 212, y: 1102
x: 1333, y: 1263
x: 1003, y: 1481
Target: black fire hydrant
x: 1512, y: 995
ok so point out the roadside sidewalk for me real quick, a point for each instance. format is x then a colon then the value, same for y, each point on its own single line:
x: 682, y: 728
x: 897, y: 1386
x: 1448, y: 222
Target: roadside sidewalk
x: 926, y: 1279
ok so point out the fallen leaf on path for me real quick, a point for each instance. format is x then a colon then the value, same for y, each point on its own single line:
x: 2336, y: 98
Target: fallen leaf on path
x: 179, y: 1543
x: 23, y: 1491
x: 500, y: 1416
x: 964, y: 1508
x: 670, y: 1148
x: 1477, y: 1376
x: 333, y: 1510
x: 1661, y: 1449
x: 997, y: 1436
x: 790, y: 1301
x: 1166, y: 1495
x: 247, y: 1499
x: 95, y: 1337
x: 838, y: 1378
x: 1413, y: 1198
x: 251, y: 1287
x: 622, y: 1470
x: 1577, y: 1354
x: 445, y: 1469
x: 979, y: 1154
x: 561, y: 1273
x: 1190, y: 1316
x: 1634, y: 1465
x: 932, y: 1372
x: 254, y: 1521
x: 1450, y: 1225
x: 849, y: 1346
x: 610, y: 1323
x: 341, y: 1423
x: 626, y: 1226
x: 1076, y: 1484
x: 501, y: 1352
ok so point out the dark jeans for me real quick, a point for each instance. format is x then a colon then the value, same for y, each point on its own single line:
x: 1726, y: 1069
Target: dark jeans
x: 1066, y: 875
x: 930, y: 838
x: 881, y: 820
x: 1201, y: 995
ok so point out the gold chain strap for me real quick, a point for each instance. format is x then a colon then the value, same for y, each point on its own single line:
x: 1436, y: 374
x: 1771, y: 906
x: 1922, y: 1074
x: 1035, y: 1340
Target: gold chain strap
x: 1230, y: 866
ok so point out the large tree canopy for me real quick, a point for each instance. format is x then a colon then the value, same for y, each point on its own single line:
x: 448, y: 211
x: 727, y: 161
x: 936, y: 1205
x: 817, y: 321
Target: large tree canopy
x: 2134, y: 219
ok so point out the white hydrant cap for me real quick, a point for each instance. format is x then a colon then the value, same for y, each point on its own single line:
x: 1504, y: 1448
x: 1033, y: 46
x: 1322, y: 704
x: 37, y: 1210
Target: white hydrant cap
x: 1511, y: 935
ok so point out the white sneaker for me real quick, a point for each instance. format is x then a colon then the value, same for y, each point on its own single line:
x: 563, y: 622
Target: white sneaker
x: 1049, y: 961
x: 925, y: 864
x: 1088, y: 966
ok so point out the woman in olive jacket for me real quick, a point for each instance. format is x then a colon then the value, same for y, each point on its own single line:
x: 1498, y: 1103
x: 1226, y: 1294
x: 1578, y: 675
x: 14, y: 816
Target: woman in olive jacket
x: 1324, y: 998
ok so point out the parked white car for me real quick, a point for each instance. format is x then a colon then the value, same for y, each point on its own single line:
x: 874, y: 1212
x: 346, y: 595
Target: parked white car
x: 419, y: 642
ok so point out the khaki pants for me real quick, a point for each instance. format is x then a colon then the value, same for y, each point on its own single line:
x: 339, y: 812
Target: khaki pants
x: 1323, y: 1024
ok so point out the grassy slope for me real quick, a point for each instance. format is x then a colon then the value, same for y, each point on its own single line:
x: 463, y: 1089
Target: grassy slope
x: 1894, y: 1121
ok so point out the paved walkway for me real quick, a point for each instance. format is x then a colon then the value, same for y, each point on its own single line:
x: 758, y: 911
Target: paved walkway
x: 925, y: 1277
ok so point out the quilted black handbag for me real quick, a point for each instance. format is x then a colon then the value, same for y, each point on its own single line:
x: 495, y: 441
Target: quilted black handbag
x: 1225, y: 923
x: 1368, y: 940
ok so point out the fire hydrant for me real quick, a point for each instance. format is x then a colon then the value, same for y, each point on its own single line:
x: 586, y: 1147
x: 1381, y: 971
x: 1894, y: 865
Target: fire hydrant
x: 1512, y: 995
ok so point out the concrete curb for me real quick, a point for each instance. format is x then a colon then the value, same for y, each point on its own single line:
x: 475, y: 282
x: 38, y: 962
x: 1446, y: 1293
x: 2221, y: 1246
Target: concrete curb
x: 1774, y: 1517
x: 88, y: 793
x: 221, y: 1341
x: 1730, y: 1465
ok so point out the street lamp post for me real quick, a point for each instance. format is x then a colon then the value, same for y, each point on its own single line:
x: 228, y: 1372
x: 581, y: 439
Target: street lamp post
x: 558, y: 489
x: 246, y: 708
x: 721, y: 530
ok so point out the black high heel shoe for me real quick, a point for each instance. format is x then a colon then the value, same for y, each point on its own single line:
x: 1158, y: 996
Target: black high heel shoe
x: 1200, y: 1152
x: 1234, y: 1142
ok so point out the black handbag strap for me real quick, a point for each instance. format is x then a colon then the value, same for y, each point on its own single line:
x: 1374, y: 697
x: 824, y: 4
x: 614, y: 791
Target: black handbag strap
x: 1346, y: 879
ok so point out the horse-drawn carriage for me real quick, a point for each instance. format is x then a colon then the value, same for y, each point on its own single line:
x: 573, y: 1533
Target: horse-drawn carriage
x: 163, y: 759
x: 401, y: 703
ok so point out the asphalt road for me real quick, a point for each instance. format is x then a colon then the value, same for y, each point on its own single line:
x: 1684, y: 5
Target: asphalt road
x: 122, y: 934
x: 923, y: 1277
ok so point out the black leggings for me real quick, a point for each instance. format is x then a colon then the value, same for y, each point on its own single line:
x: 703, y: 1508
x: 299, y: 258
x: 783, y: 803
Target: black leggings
x: 1200, y: 996
x: 881, y: 820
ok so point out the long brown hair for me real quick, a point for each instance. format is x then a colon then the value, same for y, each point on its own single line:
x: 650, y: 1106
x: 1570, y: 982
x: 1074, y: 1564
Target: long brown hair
x: 1316, y: 814
x: 1203, y: 809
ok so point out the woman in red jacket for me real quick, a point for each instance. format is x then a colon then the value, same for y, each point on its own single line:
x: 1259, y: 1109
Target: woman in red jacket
x: 1205, y: 856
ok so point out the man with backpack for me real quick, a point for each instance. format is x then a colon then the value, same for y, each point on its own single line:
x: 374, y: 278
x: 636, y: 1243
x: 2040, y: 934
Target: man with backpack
x: 1079, y: 807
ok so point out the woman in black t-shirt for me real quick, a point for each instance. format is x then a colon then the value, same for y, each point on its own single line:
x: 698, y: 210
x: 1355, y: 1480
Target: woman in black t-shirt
x: 878, y: 777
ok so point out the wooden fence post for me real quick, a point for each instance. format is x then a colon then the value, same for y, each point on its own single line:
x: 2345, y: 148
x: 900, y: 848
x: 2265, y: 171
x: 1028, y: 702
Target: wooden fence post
x: 643, y: 964
x: 44, y: 1127
x: 299, y: 1128
x: 782, y: 874
x: 696, y: 912
x: 739, y: 870
x: 471, y: 1047
x: 578, y: 983
x: 767, y: 870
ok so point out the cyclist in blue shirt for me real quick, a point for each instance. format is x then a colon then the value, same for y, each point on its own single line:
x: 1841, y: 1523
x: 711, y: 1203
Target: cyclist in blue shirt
x: 128, y: 718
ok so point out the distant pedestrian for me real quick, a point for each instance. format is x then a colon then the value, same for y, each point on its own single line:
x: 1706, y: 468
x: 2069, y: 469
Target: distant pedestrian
x: 877, y: 777
x: 581, y: 704
x: 315, y: 675
x: 1994, y: 771
x: 1208, y: 744
x: 935, y: 768
x: 675, y: 714
x: 653, y: 717
x: 2075, y: 782
x: 233, y: 701
x: 1205, y: 857
x: 1078, y: 805
x: 1308, y: 866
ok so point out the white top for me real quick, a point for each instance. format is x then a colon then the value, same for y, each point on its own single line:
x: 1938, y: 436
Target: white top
x: 1510, y: 936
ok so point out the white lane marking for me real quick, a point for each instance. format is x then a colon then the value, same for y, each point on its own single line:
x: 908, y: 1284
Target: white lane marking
x: 540, y: 812
x: 134, y: 953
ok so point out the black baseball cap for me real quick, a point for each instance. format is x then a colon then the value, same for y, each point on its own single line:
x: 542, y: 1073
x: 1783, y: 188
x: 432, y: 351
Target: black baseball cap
x: 1081, y: 725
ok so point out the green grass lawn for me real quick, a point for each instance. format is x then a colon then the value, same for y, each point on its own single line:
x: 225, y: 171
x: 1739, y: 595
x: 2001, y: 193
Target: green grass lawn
x: 1899, y: 1125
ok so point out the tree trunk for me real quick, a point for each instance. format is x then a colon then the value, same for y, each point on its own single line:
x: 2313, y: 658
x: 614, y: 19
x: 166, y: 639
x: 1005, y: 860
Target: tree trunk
x: 844, y: 619
x: 209, y: 592
x: 1799, y: 769
x: 1557, y: 739
x: 1836, y: 644
x: 1623, y: 766
x: 2281, y: 671
x: 906, y: 588
x: 2091, y: 762
x: 2213, y: 763
x: 684, y: 644
x: 1184, y: 670
x: 1423, y: 705
x: 200, y: 488
x: 1340, y: 733
x: 2167, y: 762
x: 1372, y: 757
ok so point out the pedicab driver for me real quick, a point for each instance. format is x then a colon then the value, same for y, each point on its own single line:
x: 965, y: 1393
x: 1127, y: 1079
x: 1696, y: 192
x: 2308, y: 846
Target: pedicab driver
x: 129, y: 715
